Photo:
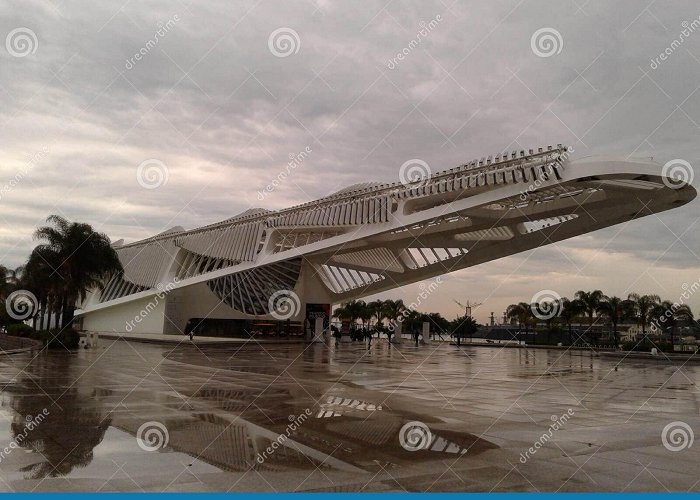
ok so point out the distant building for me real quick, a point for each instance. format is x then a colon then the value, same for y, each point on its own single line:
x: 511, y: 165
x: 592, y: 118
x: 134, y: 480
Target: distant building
x: 630, y: 332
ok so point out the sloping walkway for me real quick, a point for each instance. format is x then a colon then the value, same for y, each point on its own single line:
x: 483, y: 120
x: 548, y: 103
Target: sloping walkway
x: 157, y: 338
x: 14, y: 345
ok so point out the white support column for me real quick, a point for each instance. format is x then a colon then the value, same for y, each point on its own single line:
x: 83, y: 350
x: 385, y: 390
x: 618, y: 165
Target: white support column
x: 426, y: 332
x: 396, y: 338
x: 318, y: 330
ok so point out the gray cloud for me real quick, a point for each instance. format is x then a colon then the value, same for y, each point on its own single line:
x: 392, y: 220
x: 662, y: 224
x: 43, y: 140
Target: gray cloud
x: 212, y: 103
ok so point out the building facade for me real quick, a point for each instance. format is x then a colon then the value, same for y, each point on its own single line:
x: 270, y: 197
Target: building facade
x: 261, y: 267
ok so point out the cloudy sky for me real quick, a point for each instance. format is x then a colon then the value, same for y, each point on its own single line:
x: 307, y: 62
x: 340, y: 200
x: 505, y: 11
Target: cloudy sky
x: 210, y: 103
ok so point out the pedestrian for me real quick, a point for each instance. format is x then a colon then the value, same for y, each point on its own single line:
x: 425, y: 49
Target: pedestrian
x: 336, y: 334
x: 189, y: 327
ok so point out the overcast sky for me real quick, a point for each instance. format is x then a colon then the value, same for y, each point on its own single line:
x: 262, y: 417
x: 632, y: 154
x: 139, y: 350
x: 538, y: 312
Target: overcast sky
x: 213, y: 105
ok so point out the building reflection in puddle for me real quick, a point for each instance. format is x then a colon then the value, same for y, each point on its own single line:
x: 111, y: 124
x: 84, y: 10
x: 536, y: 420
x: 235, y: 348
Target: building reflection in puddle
x: 65, y: 438
x: 227, y: 418
x: 346, y: 433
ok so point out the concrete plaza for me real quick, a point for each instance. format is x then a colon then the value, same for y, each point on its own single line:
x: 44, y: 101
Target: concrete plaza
x: 341, y: 410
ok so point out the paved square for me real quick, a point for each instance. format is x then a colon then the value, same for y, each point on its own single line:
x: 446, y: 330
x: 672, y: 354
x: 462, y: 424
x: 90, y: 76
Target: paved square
x: 485, y: 419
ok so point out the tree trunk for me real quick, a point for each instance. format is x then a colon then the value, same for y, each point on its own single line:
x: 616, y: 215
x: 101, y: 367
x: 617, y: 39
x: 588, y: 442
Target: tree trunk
x: 51, y: 309
x: 46, y: 319
x: 527, y: 330
x: 60, y: 314
x: 673, y: 327
x: 44, y: 313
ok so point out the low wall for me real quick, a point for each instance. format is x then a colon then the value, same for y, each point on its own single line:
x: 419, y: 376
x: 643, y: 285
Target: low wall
x: 11, y: 345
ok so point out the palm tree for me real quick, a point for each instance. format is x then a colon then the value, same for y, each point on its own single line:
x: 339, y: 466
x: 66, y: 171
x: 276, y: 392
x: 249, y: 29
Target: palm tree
x: 464, y: 326
x: 589, y: 302
x: 522, y: 313
x: 352, y: 311
x: 5, y: 284
x: 9, y: 278
x: 342, y: 313
x: 614, y: 309
x: 668, y: 315
x: 437, y: 321
x: 570, y: 310
x: 77, y: 260
x: 392, y: 310
x: 552, y: 308
x: 39, y: 278
x: 411, y: 318
x: 375, y: 308
x: 515, y: 312
x: 642, y: 309
x: 365, y: 314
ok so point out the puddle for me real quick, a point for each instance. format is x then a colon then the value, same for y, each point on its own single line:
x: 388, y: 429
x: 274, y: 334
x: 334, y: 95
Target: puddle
x: 220, y: 414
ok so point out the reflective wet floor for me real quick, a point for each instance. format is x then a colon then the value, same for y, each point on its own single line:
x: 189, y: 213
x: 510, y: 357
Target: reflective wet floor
x: 316, y: 417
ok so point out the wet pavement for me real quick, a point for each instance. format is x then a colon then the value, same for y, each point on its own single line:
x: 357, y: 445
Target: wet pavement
x: 316, y: 417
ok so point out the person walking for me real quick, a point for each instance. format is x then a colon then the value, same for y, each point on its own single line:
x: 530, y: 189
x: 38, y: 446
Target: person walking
x: 194, y: 327
x: 189, y: 328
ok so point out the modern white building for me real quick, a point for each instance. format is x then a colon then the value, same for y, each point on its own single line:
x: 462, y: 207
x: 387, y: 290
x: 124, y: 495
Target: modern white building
x: 261, y: 266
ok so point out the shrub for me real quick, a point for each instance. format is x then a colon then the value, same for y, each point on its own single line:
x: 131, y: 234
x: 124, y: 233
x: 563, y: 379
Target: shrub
x: 20, y: 330
x: 57, y: 338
